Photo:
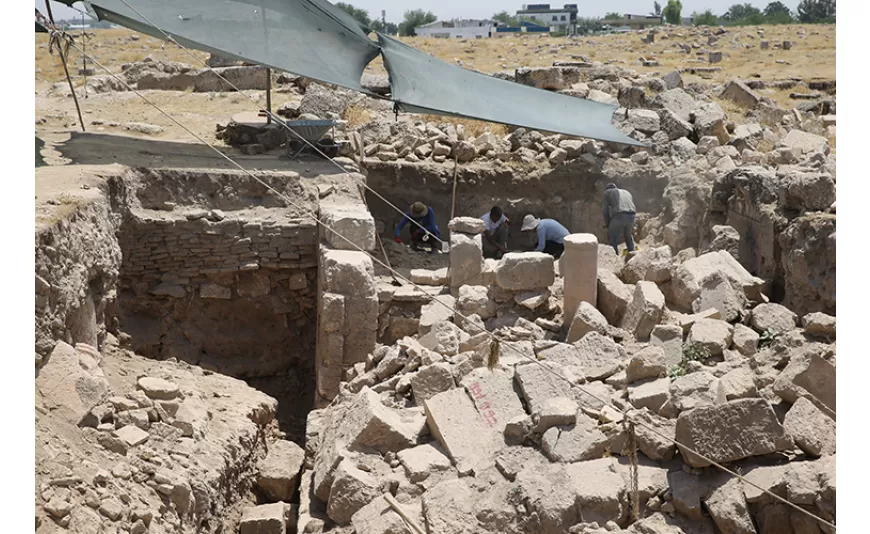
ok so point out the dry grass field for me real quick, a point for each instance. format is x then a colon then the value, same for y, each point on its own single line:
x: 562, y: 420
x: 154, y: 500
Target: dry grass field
x: 812, y: 56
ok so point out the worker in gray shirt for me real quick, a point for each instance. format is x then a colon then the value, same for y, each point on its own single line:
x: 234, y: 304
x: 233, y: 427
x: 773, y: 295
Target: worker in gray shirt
x: 619, y: 216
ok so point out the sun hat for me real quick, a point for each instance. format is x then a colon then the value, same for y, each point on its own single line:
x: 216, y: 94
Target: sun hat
x: 418, y: 209
x: 530, y: 222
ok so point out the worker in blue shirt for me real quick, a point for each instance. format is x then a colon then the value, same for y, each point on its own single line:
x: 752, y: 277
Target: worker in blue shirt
x: 551, y: 234
x: 425, y: 217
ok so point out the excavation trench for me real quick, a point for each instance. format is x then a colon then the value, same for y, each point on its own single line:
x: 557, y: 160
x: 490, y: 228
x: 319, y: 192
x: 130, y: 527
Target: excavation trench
x: 206, y: 267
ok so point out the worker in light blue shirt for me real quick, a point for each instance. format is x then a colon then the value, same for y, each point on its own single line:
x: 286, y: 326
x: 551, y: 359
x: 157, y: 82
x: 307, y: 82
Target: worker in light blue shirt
x: 551, y: 234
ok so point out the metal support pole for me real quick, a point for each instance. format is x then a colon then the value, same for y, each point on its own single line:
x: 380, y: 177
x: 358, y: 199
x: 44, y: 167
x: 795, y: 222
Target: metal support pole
x: 268, y: 95
x: 65, y: 69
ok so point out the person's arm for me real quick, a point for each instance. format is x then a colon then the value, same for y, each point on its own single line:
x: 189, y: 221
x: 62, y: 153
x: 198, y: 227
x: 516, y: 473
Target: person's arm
x: 542, y: 238
x: 402, y: 224
x: 605, y: 207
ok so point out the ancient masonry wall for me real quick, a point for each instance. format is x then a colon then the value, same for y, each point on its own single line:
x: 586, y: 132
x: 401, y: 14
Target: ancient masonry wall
x: 232, y: 295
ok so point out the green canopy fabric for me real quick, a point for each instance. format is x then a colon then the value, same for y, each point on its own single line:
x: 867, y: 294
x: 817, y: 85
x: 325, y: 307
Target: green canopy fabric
x: 313, y: 38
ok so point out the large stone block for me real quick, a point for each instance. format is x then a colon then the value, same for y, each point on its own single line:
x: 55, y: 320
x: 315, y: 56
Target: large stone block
x: 645, y: 310
x: 600, y: 490
x: 652, y: 264
x: 579, y: 269
x: 378, y: 517
x: 423, y: 460
x: 493, y: 395
x: 462, y: 431
x: 811, y: 376
x: 368, y: 423
x: 523, y: 271
x: 466, y: 259
x: 693, y: 391
x: 712, y: 334
x: 613, y: 296
x: 773, y: 317
x: 467, y: 225
x: 352, y: 221
x: 599, y: 356
x: 721, y: 433
x: 279, y: 469
x: 439, y: 309
x: 721, y: 293
x: 690, y: 274
x: 347, y: 272
x: 586, y: 319
x: 472, y: 300
x: 813, y: 431
x: 68, y: 385
x: 651, y: 394
x: 538, y: 384
x: 574, y: 443
x: 432, y: 380
x: 351, y: 489
x: 670, y: 339
x: 265, y: 519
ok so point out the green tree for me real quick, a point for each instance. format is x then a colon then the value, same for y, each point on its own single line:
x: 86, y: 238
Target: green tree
x: 413, y: 19
x: 390, y: 29
x: 672, y: 11
x: 657, y: 9
x: 613, y: 16
x: 707, y: 18
x: 506, y: 18
x: 589, y: 25
x: 774, y: 8
x: 742, y: 12
x: 359, y: 14
x: 817, y: 11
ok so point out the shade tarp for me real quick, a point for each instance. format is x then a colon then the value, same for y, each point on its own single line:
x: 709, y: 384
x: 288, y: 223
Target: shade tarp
x: 315, y: 39
x: 311, y: 38
x: 421, y: 81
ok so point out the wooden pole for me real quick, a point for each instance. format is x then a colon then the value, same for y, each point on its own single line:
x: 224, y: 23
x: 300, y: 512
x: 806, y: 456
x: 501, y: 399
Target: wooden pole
x: 394, y: 504
x: 268, y: 95
x: 453, y: 205
x: 65, y: 69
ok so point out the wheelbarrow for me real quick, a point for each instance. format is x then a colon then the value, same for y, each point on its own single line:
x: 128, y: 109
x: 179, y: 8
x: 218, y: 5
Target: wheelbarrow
x: 304, y: 134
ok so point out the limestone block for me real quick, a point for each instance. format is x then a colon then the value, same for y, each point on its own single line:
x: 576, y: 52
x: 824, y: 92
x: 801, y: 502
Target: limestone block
x: 279, y: 470
x: 467, y: 225
x: 353, y: 221
x: 460, y: 429
x: 721, y: 433
x: 670, y: 339
x: 523, y: 271
x: 613, y: 296
x: 586, y: 319
x: 265, y: 519
x: 645, y: 310
x: 494, y: 397
x: 579, y: 268
x: 466, y: 259
x: 423, y: 460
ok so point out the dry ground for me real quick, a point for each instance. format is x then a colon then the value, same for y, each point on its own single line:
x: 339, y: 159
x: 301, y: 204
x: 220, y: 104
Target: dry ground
x: 812, y: 57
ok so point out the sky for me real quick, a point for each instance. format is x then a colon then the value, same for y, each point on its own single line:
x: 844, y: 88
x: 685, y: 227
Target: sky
x: 448, y: 9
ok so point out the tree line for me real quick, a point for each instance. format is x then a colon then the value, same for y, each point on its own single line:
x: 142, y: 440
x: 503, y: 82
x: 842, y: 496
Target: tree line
x: 807, y: 12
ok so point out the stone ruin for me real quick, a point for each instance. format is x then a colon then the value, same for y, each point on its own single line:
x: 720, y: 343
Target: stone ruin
x: 210, y: 360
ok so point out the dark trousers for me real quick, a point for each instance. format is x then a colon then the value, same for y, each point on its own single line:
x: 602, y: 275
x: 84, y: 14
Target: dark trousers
x: 500, y: 236
x: 621, y: 225
x: 554, y: 249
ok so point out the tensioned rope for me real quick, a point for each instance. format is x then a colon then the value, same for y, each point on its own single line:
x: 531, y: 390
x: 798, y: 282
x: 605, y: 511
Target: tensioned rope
x: 466, y: 321
x: 279, y: 120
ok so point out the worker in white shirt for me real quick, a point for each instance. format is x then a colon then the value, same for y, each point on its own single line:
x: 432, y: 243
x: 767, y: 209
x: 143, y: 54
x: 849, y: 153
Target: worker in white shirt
x: 495, y: 236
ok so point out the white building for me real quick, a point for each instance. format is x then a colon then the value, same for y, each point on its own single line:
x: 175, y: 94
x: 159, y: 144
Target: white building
x: 457, y: 29
x: 558, y: 18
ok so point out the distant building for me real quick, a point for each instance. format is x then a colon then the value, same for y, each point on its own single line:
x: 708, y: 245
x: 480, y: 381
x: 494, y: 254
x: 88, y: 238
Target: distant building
x: 457, y: 29
x: 557, y: 18
x: 524, y: 27
x: 633, y: 22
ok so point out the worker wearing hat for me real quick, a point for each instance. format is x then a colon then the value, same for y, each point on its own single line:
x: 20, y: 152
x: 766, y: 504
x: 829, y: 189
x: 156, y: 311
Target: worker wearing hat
x: 551, y: 234
x: 424, y: 216
x: 619, y: 216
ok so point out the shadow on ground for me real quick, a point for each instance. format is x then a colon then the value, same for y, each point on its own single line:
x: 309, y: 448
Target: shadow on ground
x: 39, y: 144
x: 86, y: 148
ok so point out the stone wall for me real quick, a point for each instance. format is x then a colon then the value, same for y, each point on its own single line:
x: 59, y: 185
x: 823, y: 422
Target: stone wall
x: 232, y: 295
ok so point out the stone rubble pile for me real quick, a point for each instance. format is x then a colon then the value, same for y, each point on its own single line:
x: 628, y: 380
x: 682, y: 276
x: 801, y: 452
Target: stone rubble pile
x: 468, y: 444
x: 126, y: 444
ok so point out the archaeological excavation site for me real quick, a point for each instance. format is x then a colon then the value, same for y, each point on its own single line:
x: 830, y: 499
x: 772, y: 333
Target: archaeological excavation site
x: 242, y: 344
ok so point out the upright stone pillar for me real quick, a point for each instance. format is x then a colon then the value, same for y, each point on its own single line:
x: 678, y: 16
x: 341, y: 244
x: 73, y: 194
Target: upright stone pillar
x: 579, y: 268
x: 466, y: 252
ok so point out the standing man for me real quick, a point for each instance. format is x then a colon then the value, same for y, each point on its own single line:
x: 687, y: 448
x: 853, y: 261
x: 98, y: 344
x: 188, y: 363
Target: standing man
x: 551, y: 234
x: 619, y: 216
x: 495, y: 236
x: 425, y: 217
